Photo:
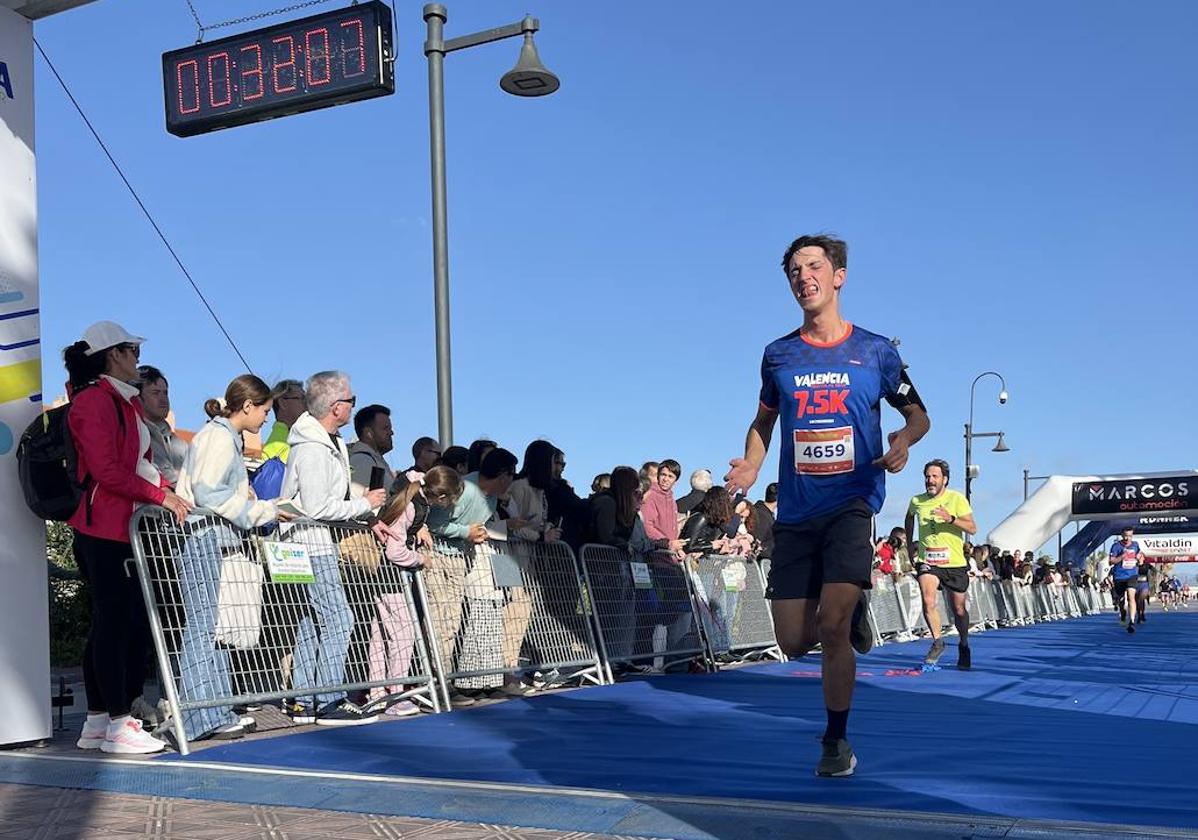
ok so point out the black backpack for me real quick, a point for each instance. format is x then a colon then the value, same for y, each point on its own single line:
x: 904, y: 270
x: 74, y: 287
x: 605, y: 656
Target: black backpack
x: 47, y: 465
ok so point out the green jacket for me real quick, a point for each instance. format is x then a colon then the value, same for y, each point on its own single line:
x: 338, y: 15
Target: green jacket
x: 276, y: 445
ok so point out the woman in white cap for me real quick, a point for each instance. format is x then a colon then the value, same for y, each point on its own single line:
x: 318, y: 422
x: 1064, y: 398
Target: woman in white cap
x: 115, y: 471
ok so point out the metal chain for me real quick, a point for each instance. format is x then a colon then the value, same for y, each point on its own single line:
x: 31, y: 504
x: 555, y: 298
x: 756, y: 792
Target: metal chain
x: 249, y: 18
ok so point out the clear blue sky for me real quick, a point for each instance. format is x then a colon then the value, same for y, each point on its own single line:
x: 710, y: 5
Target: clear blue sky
x: 1017, y: 183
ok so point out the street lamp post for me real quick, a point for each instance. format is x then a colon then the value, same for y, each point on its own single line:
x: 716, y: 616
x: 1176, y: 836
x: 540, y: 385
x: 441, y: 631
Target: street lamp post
x: 971, y: 469
x: 527, y: 78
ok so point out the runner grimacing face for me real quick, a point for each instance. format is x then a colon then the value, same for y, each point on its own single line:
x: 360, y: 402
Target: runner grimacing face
x: 933, y: 481
x: 813, y: 280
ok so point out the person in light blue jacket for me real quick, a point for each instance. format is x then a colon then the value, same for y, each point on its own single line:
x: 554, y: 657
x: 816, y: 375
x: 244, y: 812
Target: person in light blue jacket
x: 214, y: 479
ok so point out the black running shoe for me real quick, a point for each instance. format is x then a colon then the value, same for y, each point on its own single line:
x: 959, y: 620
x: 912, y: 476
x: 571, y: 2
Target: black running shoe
x: 934, y: 652
x: 861, y: 632
x: 1131, y: 628
x: 964, y: 658
x: 837, y: 760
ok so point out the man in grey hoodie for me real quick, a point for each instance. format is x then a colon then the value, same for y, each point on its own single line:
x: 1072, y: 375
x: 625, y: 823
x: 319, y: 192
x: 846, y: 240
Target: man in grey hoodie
x: 318, y: 480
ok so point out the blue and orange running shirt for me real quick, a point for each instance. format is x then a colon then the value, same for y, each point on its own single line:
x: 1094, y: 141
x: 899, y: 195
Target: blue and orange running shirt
x: 829, y: 398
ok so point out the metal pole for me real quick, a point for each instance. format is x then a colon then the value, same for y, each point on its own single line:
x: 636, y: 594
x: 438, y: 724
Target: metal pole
x: 1025, y: 472
x: 968, y: 450
x: 434, y: 49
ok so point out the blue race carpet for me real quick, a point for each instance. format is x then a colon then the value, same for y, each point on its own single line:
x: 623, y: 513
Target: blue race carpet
x: 1074, y: 720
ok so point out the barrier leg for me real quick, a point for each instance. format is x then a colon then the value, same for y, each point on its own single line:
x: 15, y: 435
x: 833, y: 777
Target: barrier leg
x: 160, y: 649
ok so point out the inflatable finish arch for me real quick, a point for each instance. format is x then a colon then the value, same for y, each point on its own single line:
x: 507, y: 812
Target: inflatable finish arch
x: 1064, y: 498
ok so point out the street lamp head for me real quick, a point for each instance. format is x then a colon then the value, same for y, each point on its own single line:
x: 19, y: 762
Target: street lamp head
x: 1001, y: 446
x: 1002, y: 398
x: 529, y: 77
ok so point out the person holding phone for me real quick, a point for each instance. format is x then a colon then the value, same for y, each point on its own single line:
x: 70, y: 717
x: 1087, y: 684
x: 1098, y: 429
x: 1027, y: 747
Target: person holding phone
x: 376, y: 437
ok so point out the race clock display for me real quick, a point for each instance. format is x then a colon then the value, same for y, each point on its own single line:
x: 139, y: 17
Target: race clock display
x: 315, y: 62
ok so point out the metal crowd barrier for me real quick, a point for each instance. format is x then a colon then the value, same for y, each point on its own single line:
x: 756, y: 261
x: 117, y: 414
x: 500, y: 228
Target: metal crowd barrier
x: 645, y: 609
x: 897, y: 607
x: 502, y: 608
x: 736, y: 617
x: 305, y: 612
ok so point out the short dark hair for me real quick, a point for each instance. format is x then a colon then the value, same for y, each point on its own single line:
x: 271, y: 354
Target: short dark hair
x: 421, y: 444
x: 150, y: 374
x: 671, y: 465
x: 938, y: 462
x: 496, y: 463
x: 836, y: 250
x: 366, y: 415
x: 771, y: 492
x: 455, y: 456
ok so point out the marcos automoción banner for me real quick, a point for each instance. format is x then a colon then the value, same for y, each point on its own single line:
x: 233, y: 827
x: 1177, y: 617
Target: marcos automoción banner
x: 1135, y: 495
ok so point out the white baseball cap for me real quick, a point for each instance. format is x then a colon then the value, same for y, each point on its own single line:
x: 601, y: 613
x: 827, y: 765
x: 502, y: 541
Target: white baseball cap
x: 104, y: 334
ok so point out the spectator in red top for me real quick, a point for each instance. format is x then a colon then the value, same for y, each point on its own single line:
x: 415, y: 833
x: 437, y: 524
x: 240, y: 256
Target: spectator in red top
x: 117, y: 474
x: 659, y: 511
x: 884, y: 557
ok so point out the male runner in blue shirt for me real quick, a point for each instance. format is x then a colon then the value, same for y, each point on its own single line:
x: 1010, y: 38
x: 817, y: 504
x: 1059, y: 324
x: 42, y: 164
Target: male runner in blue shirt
x: 1125, y: 557
x: 826, y: 381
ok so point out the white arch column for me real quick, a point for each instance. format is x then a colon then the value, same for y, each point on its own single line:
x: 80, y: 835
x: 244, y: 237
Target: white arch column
x: 24, y: 622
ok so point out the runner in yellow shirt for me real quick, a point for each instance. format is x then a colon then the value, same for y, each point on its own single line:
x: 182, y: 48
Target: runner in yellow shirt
x: 944, y: 517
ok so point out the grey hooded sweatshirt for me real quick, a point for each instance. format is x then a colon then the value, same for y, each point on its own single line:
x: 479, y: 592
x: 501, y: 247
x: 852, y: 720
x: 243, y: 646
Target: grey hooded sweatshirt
x: 317, y: 475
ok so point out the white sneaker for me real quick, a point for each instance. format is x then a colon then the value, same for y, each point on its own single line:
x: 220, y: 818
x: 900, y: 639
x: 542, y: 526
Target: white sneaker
x: 126, y: 737
x: 95, y: 730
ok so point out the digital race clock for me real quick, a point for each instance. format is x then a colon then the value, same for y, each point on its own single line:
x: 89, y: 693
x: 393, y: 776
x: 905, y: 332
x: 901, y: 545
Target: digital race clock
x: 318, y: 61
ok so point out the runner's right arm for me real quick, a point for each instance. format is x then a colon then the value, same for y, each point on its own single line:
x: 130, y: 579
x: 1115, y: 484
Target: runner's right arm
x: 757, y: 442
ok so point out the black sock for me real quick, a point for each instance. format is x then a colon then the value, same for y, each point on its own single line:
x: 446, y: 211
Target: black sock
x: 838, y: 724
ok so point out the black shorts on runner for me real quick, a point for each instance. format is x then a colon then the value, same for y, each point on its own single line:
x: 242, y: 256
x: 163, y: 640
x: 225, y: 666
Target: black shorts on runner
x: 955, y: 579
x: 836, y: 548
x: 1121, y: 586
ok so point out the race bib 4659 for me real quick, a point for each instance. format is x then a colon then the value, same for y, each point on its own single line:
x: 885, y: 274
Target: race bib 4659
x: 824, y: 451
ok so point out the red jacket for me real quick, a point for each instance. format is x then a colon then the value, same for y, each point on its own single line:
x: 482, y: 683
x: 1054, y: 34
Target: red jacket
x: 109, y: 456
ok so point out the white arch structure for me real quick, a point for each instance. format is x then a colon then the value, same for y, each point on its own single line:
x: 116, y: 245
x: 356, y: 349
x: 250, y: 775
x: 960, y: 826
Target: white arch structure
x: 1065, y: 498
x: 24, y: 623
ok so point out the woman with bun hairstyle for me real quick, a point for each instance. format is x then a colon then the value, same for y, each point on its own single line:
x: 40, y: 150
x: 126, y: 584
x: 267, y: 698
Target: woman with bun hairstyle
x: 115, y: 471
x: 214, y: 478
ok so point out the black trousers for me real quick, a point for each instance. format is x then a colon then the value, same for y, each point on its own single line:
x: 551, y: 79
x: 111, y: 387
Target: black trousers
x: 114, y: 660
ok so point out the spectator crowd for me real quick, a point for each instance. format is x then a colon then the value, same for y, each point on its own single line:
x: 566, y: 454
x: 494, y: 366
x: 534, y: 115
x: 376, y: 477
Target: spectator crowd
x: 128, y: 456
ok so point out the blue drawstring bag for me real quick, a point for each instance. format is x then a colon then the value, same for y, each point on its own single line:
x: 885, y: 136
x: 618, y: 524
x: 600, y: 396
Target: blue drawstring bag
x: 268, y: 480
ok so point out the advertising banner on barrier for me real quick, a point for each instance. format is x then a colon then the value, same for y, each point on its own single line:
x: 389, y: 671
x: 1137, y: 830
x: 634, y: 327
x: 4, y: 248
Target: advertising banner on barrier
x: 24, y: 623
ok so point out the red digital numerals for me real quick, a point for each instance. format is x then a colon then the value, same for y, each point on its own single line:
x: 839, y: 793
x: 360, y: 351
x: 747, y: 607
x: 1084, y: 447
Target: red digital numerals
x: 821, y: 401
x: 288, y: 63
x: 353, y: 48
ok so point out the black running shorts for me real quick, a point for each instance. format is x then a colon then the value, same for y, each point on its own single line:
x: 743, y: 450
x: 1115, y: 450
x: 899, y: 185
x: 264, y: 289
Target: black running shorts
x: 955, y: 579
x: 836, y: 548
x: 1121, y: 587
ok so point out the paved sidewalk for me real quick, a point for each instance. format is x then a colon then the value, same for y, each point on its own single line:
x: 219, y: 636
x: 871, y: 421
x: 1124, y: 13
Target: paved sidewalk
x: 44, y: 813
